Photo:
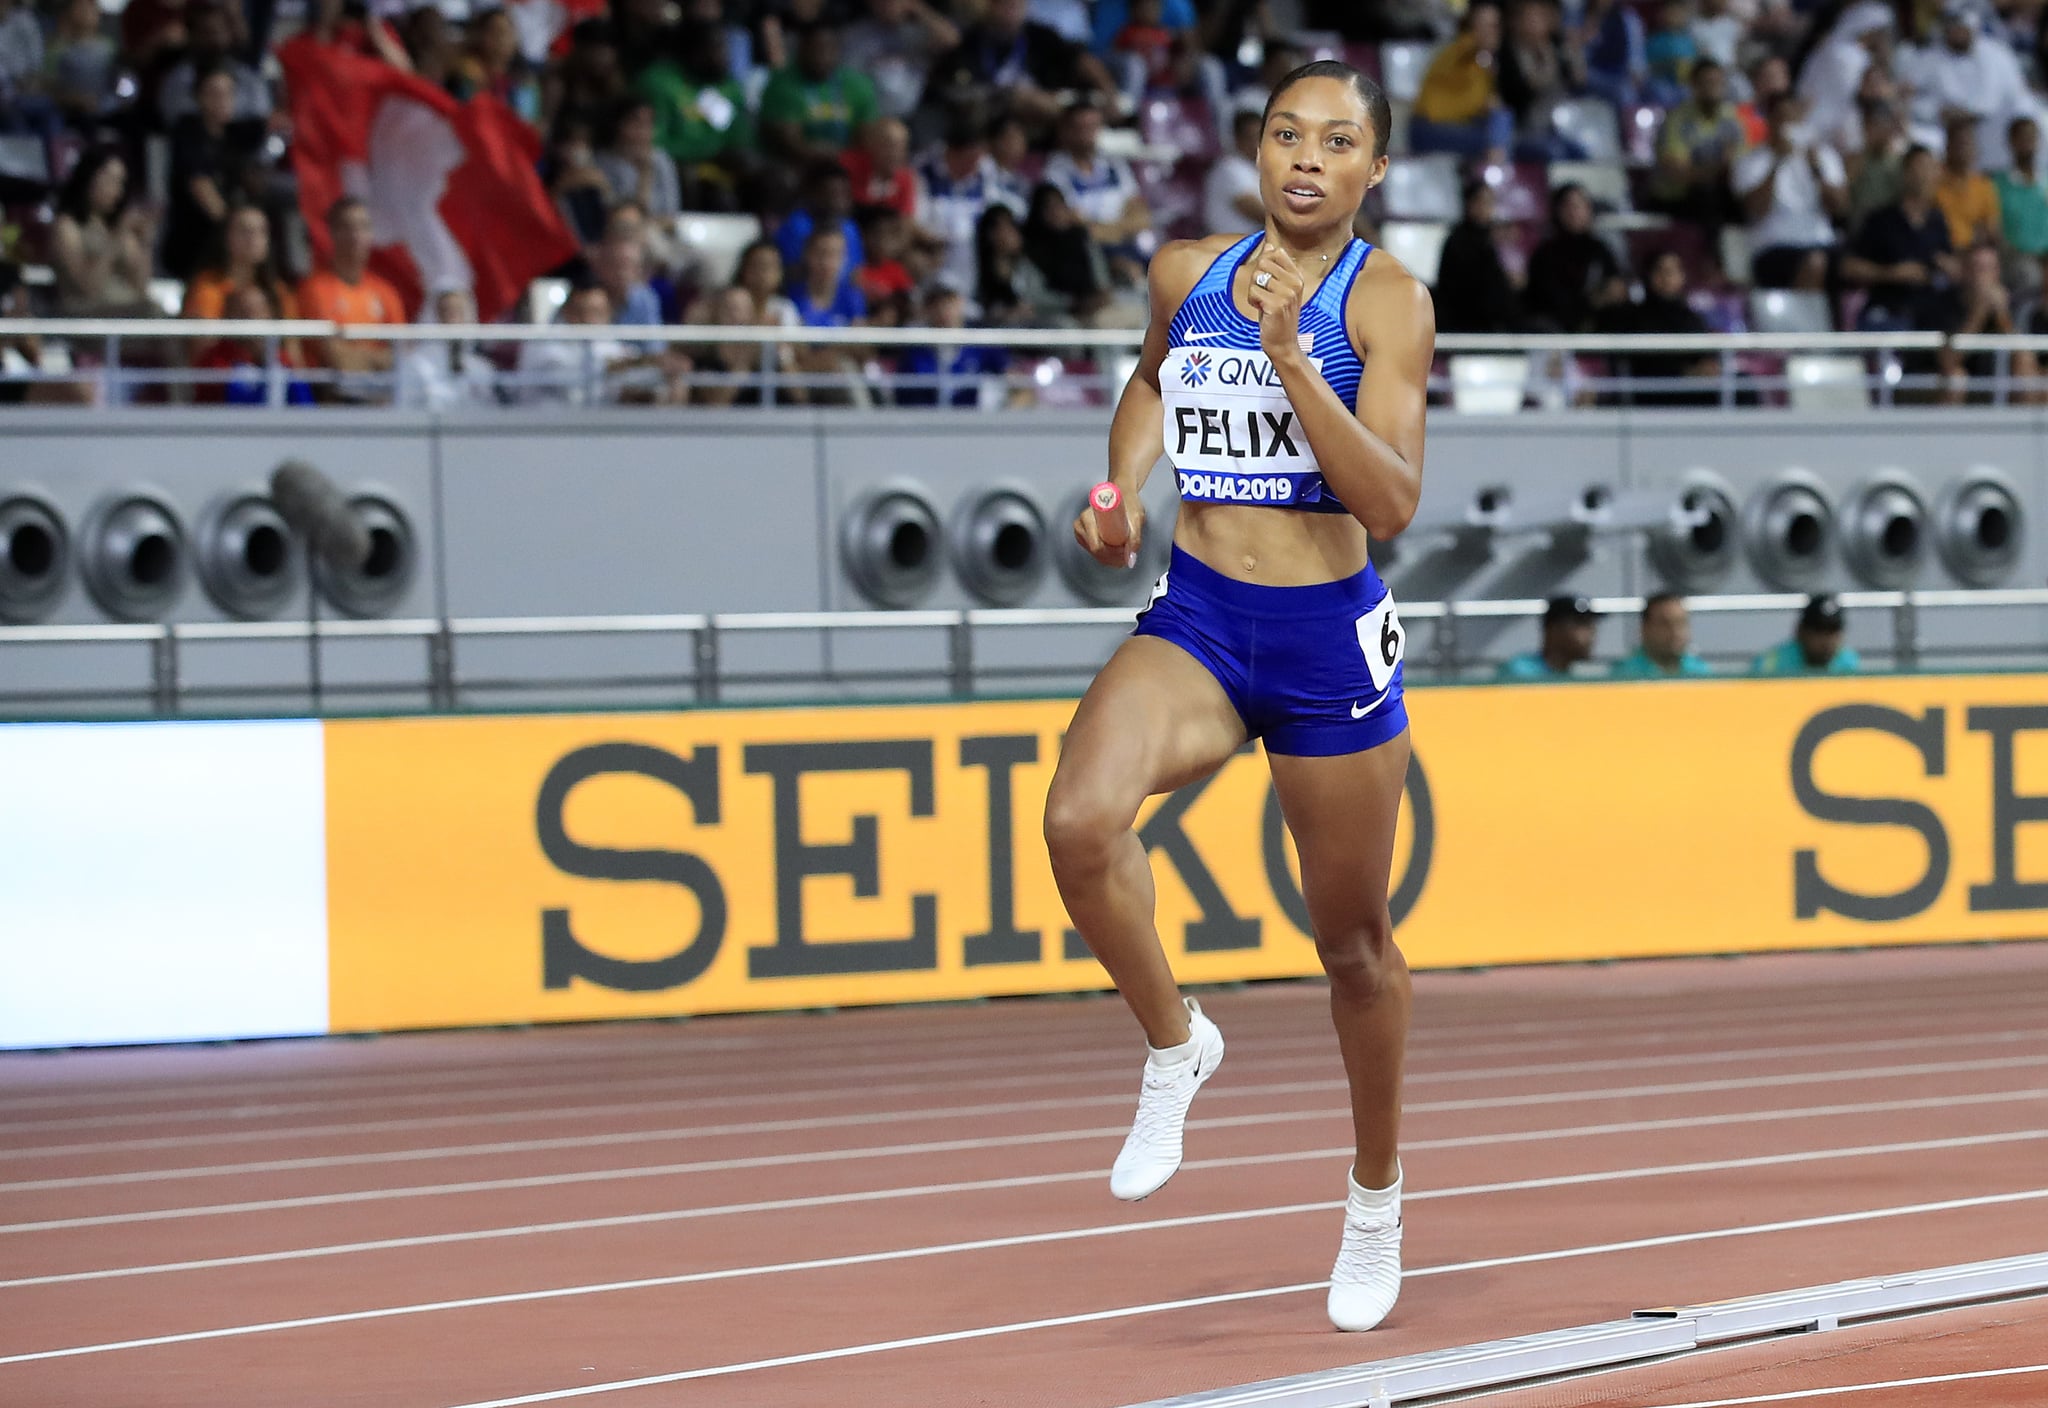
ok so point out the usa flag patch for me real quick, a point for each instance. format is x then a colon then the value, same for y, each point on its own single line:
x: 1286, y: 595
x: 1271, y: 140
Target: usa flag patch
x: 1308, y: 344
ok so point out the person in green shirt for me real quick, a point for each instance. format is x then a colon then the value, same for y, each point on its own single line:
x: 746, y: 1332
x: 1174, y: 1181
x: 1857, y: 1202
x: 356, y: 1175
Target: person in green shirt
x: 1666, y: 651
x: 1569, y: 624
x: 815, y: 108
x: 700, y: 119
x: 1816, y: 645
x: 2023, y: 193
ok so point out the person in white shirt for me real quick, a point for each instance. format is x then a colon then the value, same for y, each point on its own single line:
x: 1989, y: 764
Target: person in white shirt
x: 1230, y: 193
x: 1792, y: 190
x: 1833, y: 74
x: 957, y: 184
x: 443, y: 375
x: 1102, y: 190
x: 1961, y: 71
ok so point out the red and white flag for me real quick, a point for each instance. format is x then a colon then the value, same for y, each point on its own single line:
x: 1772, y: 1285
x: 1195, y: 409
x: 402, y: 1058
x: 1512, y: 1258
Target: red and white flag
x: 453, y: 189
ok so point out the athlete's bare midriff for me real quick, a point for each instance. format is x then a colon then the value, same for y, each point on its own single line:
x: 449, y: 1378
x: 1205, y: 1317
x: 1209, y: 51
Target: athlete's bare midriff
x: 1276, y: 547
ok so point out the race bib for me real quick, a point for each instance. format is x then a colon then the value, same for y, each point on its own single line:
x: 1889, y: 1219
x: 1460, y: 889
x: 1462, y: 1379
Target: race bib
x: 1383, y: 642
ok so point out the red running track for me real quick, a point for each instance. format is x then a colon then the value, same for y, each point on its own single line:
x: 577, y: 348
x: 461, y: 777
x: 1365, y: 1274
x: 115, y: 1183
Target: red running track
x: 878, y: 1207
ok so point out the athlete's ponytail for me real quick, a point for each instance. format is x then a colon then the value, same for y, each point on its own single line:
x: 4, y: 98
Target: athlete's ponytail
x: 1379, y: 113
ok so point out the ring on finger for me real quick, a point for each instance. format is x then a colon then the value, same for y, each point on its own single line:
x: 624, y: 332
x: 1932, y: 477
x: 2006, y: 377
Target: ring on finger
x: 1262, y: 279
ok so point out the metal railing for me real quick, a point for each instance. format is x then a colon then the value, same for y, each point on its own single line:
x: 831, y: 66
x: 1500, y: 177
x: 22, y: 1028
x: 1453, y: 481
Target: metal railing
x: 1556, y: 371
x: 1441, y: 657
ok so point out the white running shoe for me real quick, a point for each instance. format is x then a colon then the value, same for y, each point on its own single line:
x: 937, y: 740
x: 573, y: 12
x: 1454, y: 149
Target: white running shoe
x: 1151, y: 1153
x: 1367, y: 1279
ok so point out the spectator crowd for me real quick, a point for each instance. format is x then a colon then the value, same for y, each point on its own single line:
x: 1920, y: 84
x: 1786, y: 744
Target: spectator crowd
x: 1617, y: 166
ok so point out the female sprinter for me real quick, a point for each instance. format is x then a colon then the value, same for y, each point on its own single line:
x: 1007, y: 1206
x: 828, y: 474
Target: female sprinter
x: 1284, y: 375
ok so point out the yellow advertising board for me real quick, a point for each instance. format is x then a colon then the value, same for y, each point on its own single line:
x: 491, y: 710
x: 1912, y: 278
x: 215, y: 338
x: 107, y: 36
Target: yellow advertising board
x: 519, y: 869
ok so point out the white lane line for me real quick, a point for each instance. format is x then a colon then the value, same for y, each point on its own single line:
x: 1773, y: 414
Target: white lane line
x: 1450, y: 1039
x: 1196, y: 1302
x: 1033, y: 1180
x: 1795, y: 1394
x: 915, y: 1113
x: 211, y: 1138
x: 1007, y: 1141
x: 1520, y: 1185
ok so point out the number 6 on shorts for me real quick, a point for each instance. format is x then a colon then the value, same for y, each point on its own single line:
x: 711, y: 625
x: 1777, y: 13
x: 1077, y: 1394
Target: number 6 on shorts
x: 1382, y: 641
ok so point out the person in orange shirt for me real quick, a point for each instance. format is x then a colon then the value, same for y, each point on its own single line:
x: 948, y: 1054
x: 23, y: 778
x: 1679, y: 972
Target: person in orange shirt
x: 347, y: 292
x: 240, y: 259
x: 1965, y: 195
x: 1458, y: 108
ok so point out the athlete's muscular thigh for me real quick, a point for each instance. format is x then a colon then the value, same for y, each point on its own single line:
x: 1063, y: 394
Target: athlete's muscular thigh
x: 1153, y: 720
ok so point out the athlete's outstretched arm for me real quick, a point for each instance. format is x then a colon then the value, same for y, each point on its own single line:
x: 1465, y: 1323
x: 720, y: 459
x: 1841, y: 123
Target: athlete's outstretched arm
x: 1137, y: 436
x: 1371, y: 455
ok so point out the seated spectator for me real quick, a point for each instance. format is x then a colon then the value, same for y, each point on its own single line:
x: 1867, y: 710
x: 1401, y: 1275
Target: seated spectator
x: 1717, y: 32
x: 1842, y: 60
x: 1008, y: 287
x: 1569, y: 625
x: 1230, y: 192
x: 735, y: 367
x: 1102, y: 190
x: 828, y: 205
x: 1009, y: 146
x: 1537, y: 72
x: 1960, y: 71
x: 736, y: 38
x: 1458, y: 108
x: 2023, y: 205
x: 635, y: 168
x: 619, y: 262
x: 30, y: 374
x: 1666, y: 651
x: 1792, y: 192
x: 1663, y: 311
x: 1816, y: 646
x: 822, y: 292
x: 1057, y: 240
x: 100, y: 243
x: 1473, y: 290
x: 1026, y: 63
x: 1696, y: 150
x: 589, y: 79
x: 945, y: 308
x: 210, y: 44
x: 447, y: 375
x: 811, y: 110
x: 1670, y: 51
x: 1143, y: 46
x: 245, y: 360
x: 239, y: 259
x: 1985, y: 306
x: 431, y: 46
x: 1769, y: 77
x: 21, y: 65
x: 81, y: 66
x: 1615, y: 52
x: 761, y: 272
x: 590, y: 372
x: 347, y: 291
x: 577, y: 184
x: 895, y: 45
x: 213, y: 163
x: 1968, y: 200
x: 1877, y: 171
x: 1904, y: 257
x: 959, y: 184
x: 1572, y: 272
x: 701, y: 120
x: 492, y: 63
x: 881, y: 275
x: 880, y: 169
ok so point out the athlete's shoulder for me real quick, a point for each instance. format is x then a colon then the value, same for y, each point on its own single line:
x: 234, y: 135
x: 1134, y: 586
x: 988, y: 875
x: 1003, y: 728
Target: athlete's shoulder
x: 1388, y: 284
x: 1179, y: 265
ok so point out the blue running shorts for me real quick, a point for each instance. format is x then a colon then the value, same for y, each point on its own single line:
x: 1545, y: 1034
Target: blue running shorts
x: 1315, y: 671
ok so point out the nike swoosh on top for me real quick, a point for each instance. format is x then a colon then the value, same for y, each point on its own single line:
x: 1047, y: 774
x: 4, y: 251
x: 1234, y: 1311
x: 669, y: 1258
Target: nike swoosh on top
x: 1203, y: 336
